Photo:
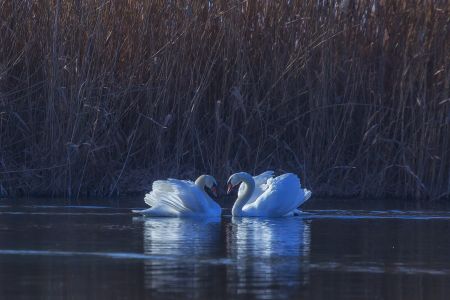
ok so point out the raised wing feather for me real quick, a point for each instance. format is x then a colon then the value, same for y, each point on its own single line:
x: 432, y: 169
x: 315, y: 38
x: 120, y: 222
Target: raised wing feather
x: 180, y: 196
x: 260, y: 185
x: 282, y: 195
x: 263, y: 177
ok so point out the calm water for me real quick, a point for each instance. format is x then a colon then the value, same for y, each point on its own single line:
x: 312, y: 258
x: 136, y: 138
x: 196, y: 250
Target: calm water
x: 107, y: 253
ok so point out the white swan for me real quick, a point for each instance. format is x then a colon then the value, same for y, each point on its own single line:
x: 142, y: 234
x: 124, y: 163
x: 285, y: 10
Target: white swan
x: 182, y: 198
x: 267, y: 196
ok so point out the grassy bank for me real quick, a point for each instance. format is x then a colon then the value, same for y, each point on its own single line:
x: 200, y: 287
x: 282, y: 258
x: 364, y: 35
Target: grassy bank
x: 101, y: 97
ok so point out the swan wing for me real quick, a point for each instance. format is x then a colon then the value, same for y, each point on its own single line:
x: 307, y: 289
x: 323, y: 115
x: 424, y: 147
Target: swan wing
x: 179, y: 197
x: 282, y: 195
x: 260, y: 185
x: 263, y: 178
x: 204, y: 204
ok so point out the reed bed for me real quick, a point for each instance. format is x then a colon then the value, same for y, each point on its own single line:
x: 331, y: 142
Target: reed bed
x: 99, y: 98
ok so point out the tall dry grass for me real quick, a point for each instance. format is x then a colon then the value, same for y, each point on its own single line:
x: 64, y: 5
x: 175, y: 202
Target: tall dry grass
x: 101, y: 97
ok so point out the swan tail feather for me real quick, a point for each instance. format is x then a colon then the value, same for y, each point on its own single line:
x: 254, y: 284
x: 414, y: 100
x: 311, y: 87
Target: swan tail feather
x: 308, y: 194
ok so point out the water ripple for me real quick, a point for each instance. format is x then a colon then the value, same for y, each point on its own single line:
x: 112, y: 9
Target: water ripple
x: 375, y: 214
x: 118, y: 255
x: 378, y: 268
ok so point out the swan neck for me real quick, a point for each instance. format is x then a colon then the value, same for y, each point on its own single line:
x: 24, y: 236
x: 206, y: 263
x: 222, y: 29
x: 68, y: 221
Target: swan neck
x: 200, y: 182
x: 249, y: 187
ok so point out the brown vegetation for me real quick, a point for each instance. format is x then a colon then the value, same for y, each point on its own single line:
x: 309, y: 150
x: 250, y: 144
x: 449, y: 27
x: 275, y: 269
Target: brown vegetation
x: 101, y: 97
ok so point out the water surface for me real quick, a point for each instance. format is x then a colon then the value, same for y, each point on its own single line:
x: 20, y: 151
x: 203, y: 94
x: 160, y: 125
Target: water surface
x: 55, y: 252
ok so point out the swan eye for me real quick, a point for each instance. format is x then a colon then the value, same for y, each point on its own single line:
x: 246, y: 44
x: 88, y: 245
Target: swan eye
x: 214, y: 190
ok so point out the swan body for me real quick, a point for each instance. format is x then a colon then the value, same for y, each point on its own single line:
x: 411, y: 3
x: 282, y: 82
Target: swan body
x: 182, y: 198
x: 267, y: 196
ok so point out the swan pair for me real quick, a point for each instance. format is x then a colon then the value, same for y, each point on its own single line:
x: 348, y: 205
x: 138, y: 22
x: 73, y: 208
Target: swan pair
x: 259, y: 196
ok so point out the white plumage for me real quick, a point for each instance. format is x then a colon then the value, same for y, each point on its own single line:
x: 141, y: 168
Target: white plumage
x: 260, y: 185
x: 179, y: 198
x: 267, y: 196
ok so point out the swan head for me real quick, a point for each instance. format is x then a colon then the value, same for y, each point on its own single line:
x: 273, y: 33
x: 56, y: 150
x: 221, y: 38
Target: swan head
x: 236, y: 179
x: 209, y: 182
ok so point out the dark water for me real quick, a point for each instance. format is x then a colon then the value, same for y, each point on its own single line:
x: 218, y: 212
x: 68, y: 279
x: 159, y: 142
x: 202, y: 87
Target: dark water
x: 105, y: 253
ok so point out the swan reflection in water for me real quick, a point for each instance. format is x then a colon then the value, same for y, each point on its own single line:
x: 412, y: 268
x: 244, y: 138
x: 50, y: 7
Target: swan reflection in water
x: 271, y: 254
x: 257, y: 256
x: 174, y: 246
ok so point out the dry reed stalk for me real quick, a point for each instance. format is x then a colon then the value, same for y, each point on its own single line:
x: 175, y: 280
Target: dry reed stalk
x: 101, y: 97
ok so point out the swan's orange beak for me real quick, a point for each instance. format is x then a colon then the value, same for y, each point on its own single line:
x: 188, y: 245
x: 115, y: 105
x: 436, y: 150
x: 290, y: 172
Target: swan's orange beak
x: 214, y: 191
x: 229, y: 188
